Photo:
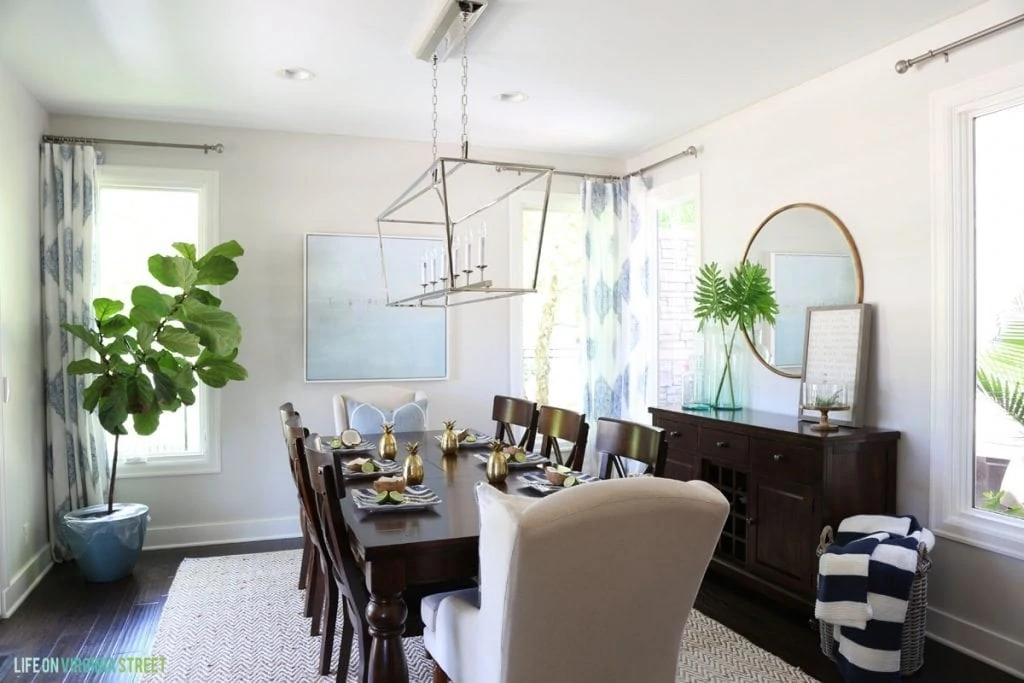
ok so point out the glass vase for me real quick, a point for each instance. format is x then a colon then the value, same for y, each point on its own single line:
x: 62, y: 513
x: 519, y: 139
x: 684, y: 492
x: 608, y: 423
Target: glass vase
x: 725, y: 369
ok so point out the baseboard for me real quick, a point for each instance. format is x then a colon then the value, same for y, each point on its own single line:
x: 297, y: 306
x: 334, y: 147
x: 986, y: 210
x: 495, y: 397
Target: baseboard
x: 159, y: 537
x: 25, y: 581
x: 976, y: 641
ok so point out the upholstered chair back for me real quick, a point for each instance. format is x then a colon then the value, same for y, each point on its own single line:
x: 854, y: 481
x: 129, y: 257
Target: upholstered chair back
x: 366, y: 407
x: 639, y: 548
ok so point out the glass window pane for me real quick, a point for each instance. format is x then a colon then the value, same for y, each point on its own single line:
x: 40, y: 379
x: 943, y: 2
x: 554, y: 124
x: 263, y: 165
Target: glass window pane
x: 999, y: 310
x: 677, y: 270
x: 132, y: 225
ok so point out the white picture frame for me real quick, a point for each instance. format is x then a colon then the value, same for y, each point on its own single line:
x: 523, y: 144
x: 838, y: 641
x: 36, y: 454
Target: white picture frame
x: 350, y: 334
x: 836, y: 341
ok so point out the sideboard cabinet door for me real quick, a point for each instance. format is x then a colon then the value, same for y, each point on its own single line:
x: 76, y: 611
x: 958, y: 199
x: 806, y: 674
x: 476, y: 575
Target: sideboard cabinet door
x: 782, y: 531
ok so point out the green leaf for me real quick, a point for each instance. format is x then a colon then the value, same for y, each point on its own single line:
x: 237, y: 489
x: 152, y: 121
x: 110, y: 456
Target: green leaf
x: 115, y: 326
x: 217, y: 271
x: 173, y: 271
x: 179, y: 341
x: 213, y: 376
x: 166, y: 391
x: 93, y: 392
x: 151, y: 301
x: 186, y: 250
x: 235, y: 371
x: 105, y: 308
x: 145, y: 332
x: 188, y: 397
x: 146, y: 423
x: 217, y: 329
x: 750, y: 297
x: 711, y: 296
x: 141, y: 395
x: 204, y: 296
x: 86, y: 366
x: 231, y: 250
x: 113, y: 406
x: 118, y: 347
x: 85, y: 334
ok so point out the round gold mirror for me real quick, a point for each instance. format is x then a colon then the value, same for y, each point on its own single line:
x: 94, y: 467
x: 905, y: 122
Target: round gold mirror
x: 812, y: 261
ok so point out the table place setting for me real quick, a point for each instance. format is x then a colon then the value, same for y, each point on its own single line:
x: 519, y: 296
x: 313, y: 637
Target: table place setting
x: 392, y: 494
x: 468, y: 438
x: 556, y: 478
x: 367, y: 468
x: 349, y: 441
x: 516, y: 458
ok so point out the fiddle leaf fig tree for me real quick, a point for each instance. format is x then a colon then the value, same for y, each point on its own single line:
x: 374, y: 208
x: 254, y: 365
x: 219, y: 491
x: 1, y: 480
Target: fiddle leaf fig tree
x: 150, y: 358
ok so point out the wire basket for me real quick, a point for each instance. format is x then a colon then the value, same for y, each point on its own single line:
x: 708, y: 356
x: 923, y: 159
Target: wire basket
x: 912, y: 644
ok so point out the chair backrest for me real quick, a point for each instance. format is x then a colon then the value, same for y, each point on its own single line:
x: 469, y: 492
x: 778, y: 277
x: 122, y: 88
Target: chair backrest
x: 297, y: 437
x: 384, y: 396
x: 555, y: 424
x: 619, y: 440
x: 656, y: 535
x: 511, y: 412
x: 287, y: 413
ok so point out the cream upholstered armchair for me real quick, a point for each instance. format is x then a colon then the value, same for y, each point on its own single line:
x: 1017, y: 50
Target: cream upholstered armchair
x: 376, y: 404
x: 638, y: 548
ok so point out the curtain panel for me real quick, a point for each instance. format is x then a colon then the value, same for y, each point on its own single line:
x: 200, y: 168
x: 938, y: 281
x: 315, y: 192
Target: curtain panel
x: 76, y: 460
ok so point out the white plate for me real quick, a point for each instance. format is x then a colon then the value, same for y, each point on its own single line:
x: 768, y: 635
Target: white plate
x: 532, y: 460
x: 416, y: 498
x: 538, y: 482
x: 482, y: 441
x: 386, y: 467
x: 364, y: 447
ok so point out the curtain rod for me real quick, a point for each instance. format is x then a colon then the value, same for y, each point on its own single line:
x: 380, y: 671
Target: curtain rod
x: 66, y: 140
x: 690, y: 151
x: 903, y: 66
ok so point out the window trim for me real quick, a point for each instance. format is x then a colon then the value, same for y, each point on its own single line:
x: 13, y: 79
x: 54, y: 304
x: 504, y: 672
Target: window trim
x: 206, y: 183
x: 951, y: 505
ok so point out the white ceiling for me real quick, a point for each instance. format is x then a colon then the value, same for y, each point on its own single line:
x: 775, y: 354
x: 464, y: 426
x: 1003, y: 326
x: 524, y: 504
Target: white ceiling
x: 605, y: 77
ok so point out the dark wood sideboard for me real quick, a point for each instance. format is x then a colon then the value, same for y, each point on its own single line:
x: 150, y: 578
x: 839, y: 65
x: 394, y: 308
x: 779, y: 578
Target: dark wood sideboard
x: 784, y: 482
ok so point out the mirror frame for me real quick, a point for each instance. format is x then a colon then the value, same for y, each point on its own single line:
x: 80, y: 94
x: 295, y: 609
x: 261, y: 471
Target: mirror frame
x: 857, y: 266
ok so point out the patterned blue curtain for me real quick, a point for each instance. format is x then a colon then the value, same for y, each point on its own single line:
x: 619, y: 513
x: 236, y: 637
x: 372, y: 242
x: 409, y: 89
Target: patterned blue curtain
x: 76, y: 462
x: 618, y: 300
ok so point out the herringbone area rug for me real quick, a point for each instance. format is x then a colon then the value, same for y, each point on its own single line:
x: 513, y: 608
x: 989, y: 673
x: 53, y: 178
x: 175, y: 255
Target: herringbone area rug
x: 239, y: 618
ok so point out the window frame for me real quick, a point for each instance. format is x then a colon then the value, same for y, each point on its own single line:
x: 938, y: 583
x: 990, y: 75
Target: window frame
x: 952, y: 511
x: 206, y: 183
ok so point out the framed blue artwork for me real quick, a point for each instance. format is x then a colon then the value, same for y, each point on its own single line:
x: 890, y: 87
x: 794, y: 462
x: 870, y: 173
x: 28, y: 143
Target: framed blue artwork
x: 351, y: 335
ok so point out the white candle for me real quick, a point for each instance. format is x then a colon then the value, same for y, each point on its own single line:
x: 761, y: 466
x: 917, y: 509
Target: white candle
x: 469, y: 255
x: 455, y: 257
x: 483, y: 237
x: 433, y: 268
x: 423, y: 278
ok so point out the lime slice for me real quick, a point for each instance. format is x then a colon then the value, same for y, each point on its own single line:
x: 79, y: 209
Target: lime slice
x: 396, y: 497
x: 335, y: 443
x: 570, y: 481
x: 382, y: 498
x: 520, y: 456
x: 562, y: 469
x: 471, y: 439
x: 369, y: 466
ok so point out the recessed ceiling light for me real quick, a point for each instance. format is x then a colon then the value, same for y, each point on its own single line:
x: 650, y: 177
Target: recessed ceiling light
x: 514, y: 96
x: 296, y: 73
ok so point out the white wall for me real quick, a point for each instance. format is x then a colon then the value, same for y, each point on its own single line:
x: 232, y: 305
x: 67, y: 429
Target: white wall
x: 24, y: 551
x: 273, y: 188
x: 856, y: 140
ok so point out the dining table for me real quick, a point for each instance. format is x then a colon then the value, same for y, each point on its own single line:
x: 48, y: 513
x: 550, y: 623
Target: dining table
x: 401, y: 549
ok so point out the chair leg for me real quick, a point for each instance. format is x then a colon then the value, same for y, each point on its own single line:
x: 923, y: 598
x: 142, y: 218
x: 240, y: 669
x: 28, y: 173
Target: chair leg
x: 311, y: 580
x: 329, y: 626
x: 345, y: 648
x: 306, y: 556
x: 439, y: 675
x: 319, y: 597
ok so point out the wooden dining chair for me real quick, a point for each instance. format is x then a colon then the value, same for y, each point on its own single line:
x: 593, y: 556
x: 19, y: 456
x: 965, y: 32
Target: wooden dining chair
x: 296, y: 437
x: 559, y: 424
x: 511, y: 412
x: 619, y: 440
x: 287, y: 411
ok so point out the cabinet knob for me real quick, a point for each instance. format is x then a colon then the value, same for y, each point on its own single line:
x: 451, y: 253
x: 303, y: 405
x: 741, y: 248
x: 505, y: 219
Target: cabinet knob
x: 721, y: 444
x: 673, y: 433
x: 777, y: 457
x: 751, y: 521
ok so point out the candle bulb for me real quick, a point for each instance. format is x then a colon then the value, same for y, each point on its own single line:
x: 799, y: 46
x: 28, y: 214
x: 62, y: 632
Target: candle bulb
x: 483, y: 238
x: 423, y: 278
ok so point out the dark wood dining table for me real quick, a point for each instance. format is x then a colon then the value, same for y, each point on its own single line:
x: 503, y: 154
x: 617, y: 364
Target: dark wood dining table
x: 403, y: 549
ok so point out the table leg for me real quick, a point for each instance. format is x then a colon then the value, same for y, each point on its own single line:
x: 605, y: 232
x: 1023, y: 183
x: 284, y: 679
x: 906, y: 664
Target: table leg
x: 385, y: 616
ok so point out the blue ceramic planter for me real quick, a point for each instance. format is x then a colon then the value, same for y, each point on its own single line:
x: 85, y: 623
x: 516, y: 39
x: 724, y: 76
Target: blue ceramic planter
x: 106, y: 547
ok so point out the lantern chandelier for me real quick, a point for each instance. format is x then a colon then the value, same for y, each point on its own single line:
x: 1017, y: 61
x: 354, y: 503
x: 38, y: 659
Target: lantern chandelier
x: 449, y: 202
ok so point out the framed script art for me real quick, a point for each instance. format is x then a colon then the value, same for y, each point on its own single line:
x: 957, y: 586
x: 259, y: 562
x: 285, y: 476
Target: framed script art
x: 351, y: 335
x: 836, y: 352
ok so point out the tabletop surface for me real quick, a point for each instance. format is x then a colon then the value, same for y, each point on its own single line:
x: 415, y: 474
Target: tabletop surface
x: 454, y: 521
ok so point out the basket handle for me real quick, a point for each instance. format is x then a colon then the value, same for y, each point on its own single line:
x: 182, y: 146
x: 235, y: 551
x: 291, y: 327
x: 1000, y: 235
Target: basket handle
x: 826, y: 539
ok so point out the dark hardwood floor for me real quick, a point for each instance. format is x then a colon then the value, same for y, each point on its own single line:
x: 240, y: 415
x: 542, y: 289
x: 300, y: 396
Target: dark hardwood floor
x: 66, y: 617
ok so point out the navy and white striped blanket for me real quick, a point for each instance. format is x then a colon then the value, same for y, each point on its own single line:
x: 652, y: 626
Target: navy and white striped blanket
x: 864, y: 581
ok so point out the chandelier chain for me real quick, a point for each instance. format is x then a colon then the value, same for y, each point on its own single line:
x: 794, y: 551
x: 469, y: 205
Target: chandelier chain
x: 465, y: 82
x: 433, y: 85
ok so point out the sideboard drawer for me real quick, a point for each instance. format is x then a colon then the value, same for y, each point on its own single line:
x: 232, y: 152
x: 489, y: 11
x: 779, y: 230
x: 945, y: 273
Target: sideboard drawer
x: 679, y: 435
x: 715, y: 443
x: 783, y: 460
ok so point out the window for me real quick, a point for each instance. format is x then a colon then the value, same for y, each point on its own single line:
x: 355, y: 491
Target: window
x: 142, y: 211
x: 548, y: 368
x: 978, y: 334
x: 676, y: 215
